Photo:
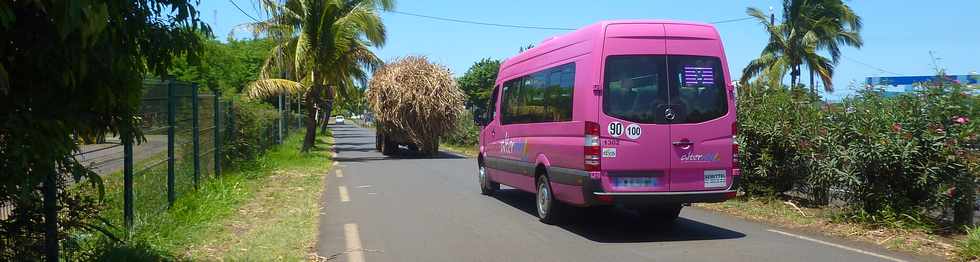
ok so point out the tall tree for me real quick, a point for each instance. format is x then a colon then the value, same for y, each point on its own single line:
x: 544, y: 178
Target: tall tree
x: 809, y: 27
x: 323, y: 45
x: 478, y: 82
x: 73, y: 68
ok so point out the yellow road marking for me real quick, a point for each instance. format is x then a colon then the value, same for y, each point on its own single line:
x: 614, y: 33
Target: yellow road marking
x: 353, y: 237
x: 344, y: 197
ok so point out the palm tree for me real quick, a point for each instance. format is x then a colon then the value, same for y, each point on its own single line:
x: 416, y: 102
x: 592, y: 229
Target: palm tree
x: 323, y: 45
x: 809, y: 27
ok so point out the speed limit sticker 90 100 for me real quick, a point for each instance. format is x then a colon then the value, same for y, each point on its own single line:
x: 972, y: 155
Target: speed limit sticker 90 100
x: 633, y: 131
x: 615, y: 129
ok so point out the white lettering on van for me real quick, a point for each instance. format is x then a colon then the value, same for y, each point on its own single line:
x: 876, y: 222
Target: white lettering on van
x: 707, y: 157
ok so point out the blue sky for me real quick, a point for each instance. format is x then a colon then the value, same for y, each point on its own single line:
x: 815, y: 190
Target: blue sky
x: 898, y: 35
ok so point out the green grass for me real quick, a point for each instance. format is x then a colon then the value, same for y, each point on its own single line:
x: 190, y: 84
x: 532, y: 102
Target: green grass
x: 470, y: 151
x: 969, y: 247
x: 264, y: 210
x: 898, y: 232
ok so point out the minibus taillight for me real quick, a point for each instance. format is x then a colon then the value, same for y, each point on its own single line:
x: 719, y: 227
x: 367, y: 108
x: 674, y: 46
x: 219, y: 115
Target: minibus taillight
x: 735, y: 145
x: 592, y: 150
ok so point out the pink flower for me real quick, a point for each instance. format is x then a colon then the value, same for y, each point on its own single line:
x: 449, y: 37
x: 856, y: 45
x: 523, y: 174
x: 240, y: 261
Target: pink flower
x: 897, y: 127
x: 961, y: 120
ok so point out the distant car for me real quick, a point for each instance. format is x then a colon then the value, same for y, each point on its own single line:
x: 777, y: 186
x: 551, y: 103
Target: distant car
x: 338, y: 119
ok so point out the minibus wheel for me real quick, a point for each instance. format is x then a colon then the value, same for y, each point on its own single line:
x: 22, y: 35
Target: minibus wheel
x: 487, y: 186
x: 662, y: 212
x: 549, y: 209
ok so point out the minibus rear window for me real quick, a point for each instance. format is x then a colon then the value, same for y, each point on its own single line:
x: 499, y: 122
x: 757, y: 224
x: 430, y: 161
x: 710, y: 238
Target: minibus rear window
x: 640, y: 88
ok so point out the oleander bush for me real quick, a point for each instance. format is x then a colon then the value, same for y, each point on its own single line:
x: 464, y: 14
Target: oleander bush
x: 907, y: 153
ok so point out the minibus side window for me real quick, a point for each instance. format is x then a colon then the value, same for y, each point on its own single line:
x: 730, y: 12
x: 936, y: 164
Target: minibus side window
x: 543, y: 96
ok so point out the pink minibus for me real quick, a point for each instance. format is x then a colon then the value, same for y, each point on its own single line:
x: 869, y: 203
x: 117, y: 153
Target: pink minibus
x: 632, y: 113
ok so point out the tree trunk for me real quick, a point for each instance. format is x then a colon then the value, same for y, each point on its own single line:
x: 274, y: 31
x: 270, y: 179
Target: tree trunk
x: 813, y: 86
x: 312, y: 98
x: 50, y: 194
x: 327, y: 108
x: 964, y: 196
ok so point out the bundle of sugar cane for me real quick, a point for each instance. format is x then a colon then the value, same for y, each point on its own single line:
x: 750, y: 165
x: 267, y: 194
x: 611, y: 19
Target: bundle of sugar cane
x: 415, y: 98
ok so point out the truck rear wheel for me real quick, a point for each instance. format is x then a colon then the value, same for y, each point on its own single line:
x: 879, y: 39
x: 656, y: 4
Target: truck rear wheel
x: 388, y: 147
x: 430, y: 148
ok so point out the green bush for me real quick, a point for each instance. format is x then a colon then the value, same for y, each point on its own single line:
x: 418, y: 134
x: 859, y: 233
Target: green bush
x: 905, y: 154
x: 775, y: 129
x: 252, y: 132
x: 466, y: 133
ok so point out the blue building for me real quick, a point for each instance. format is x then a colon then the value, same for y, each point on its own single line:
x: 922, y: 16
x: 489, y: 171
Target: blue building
x: 908, y: 83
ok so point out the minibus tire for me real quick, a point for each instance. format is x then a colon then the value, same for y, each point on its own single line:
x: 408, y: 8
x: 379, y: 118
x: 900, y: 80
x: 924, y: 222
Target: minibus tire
x: 487, y: 186
x: 553, y: 208
x: 664, y: 213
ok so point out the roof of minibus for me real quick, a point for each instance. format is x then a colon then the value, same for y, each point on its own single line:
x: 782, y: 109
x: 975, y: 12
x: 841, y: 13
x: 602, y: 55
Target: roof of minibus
x: 594, y: 31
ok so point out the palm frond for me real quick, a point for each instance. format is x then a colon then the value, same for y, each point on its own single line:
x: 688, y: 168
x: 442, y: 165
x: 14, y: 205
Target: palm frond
x: 265, y: 88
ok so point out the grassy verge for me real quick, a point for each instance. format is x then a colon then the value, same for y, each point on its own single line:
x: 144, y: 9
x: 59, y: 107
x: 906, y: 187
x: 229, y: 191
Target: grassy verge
x: 897, y: 233
x: 470, y: 151
x: 266, y: 210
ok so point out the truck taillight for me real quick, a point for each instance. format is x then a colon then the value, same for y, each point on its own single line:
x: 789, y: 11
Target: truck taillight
x: 735, y: 145
x: 592, y: 150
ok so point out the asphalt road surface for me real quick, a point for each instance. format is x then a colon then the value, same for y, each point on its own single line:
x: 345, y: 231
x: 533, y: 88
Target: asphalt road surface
x: 377, y: 208
x: 108, y: 158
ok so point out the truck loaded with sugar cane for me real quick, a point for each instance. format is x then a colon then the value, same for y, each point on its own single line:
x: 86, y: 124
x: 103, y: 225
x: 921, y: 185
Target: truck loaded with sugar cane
x: 414, y: 102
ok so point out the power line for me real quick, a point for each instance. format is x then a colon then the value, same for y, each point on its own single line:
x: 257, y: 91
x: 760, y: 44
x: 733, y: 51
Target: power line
x: 732, y: 20
x: 243, y: 11
x: 456, y: 20
x: 870, y: 66
x: 481, y: 23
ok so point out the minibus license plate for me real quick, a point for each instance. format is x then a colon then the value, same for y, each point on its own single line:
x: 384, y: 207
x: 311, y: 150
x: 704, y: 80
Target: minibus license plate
x: 635, y: 181
x: 714, y: 178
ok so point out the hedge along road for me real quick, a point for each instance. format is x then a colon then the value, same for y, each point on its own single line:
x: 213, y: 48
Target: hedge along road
x: 377, y: 208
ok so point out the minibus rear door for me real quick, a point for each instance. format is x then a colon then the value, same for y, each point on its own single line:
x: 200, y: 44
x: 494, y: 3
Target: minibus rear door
x: 701, y: 110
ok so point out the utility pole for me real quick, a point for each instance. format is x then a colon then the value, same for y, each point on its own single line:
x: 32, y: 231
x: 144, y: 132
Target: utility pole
x: 772, y: 16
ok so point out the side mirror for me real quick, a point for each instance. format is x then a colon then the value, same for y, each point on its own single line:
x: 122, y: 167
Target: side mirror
x: 480, y: 118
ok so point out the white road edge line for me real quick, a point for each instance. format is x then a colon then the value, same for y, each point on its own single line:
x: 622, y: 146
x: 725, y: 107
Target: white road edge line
x: 340, y: 173
x: 344, y: 197
x: 838, y: 246
x: 353, y: 237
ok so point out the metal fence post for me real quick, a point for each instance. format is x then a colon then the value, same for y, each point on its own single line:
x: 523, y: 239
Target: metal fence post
x: 127, y: 140
x: 171, y: 137
x: 217, y: 133
x: 279, y: 123
x: 196, y: 129
x: 50, y: 195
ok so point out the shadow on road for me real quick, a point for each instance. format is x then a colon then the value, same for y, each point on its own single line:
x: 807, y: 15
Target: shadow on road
x: 617, y: 225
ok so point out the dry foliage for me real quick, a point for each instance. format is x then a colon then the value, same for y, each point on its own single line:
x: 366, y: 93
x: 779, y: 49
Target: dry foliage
x: 415, y: 98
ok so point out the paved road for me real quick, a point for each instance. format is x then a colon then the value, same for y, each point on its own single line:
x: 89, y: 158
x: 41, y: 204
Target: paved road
x: 108, y: 158
x: 413, y: 209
